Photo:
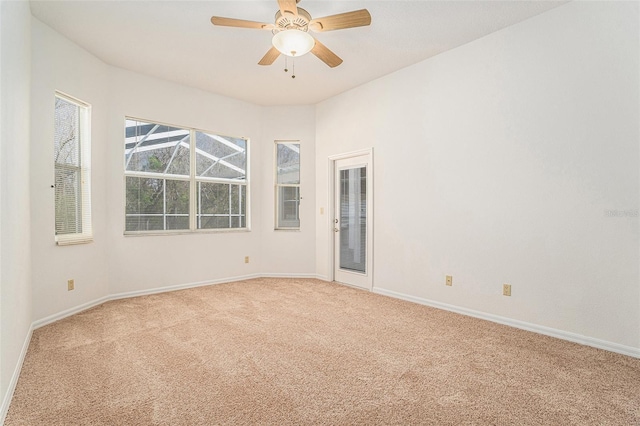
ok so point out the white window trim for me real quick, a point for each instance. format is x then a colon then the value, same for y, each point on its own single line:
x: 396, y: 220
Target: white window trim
x: 193, y: 181
x: 277, y: 186
x: 86, y: 236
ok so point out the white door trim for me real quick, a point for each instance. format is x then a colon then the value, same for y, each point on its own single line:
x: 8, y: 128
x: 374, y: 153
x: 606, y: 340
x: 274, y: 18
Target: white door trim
x: 331, y: 214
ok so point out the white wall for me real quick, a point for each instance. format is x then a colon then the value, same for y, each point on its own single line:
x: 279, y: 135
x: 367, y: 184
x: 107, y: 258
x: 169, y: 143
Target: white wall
x: 284, y: 251
x: 142, y: 263
x: 115, y: 263
x: 496, y: 162
x: 58, y: 64
x: 15, y: 289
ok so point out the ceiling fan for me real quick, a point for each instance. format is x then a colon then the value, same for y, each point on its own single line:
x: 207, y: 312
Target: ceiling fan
x: 291, y: 31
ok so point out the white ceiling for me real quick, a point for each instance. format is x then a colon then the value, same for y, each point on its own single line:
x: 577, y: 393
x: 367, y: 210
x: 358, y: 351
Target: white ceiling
x: 174, y: 40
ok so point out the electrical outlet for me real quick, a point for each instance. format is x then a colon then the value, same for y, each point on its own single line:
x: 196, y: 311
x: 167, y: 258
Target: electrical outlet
x: 246, y: 259
x: 71, y: 285
x: 506, y: 289
x: 449, y: 280
x: 321, y: 210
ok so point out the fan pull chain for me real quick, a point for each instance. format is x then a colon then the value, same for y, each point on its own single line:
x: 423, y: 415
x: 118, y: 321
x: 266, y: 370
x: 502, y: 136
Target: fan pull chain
x: 293, y: 66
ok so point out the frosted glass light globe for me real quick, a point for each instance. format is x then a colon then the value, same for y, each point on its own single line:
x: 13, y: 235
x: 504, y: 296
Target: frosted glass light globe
x: 293, y: 42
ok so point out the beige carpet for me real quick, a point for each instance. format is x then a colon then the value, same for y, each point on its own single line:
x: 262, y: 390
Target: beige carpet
x: 276, y: 351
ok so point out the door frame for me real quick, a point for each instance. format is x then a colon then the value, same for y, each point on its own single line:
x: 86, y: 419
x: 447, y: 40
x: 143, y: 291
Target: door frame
x: 332, y: 212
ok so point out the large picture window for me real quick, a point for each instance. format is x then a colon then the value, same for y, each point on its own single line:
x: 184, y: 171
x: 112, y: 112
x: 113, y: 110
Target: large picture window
x: 180, y: 179
x: 72, y: 160
x: 287, y: 185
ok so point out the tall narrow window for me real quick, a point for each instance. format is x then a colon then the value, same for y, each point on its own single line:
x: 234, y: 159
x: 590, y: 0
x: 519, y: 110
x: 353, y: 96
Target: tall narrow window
x: 287, y: 185
x: 221, y: 178
x: 72, y: 161
x: 183, y: 179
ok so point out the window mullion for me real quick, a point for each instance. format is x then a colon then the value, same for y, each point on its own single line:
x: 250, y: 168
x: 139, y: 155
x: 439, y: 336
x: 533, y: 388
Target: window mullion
x: 230, y: 209
x: 192, y: 181
x: 79, y: 218
x: 151, y: 175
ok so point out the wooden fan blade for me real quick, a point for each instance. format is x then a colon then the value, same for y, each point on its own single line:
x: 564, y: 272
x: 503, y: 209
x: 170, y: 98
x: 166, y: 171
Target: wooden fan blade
x: 240, y: 23
x: 270, y: 57
x: 288, y: 6
x: 326, y: 55
x: 357, y: 18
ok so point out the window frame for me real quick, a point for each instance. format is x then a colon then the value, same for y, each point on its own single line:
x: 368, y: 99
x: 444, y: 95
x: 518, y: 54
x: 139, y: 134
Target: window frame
x: 277, y: 186
x: 193, y: 180
x: 84, y: 173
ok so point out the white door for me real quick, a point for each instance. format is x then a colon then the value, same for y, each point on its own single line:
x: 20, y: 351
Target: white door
x: 352, y: 224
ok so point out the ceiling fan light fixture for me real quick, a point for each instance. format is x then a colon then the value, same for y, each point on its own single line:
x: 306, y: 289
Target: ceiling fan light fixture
x: 293, y: 42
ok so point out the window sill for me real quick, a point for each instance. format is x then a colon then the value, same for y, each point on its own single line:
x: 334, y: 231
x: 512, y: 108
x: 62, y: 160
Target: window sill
x: 73, y: 241
x: 184, y: 232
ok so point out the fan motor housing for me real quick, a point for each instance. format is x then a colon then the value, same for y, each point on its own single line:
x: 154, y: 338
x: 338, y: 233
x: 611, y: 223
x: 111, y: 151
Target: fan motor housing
x: 287, y: 21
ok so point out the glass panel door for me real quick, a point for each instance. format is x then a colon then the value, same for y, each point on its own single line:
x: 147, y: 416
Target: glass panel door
x: 353, y: 219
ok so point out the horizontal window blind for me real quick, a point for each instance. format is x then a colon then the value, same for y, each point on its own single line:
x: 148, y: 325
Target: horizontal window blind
x: 287, y: 191
x: 72, y: 168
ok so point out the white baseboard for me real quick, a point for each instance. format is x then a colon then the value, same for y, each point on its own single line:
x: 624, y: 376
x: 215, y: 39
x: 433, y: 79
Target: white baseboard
x: 76, y: 309
x: 68, y: 312
x: 157, y: 290
x: 280, y: 275
x: 547, y: 331
x: 4, y: 409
